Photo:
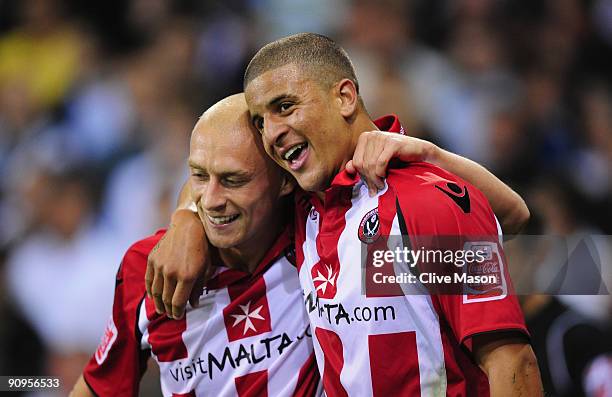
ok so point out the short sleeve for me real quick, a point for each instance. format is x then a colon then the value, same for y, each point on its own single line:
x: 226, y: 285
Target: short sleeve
x: 438, y: 210
x: 117, y: 366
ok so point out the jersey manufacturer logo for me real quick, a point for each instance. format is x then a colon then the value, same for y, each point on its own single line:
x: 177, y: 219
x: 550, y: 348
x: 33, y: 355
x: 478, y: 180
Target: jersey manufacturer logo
x: 110, y: 334
x: 324, y: 278
x: 369, y: 227
x: 460, y: 196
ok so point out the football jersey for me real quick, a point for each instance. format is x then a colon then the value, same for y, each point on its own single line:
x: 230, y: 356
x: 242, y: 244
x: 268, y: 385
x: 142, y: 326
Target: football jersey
x: 399, y: 344
x: 249, y: 335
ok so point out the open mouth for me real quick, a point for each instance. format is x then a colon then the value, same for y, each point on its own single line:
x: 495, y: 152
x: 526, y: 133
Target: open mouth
x: 296, y: 155
x: 222, y: 220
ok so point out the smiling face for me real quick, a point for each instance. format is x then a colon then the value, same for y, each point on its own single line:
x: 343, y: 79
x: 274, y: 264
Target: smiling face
x: 304, y: 124
x: 234, y: 184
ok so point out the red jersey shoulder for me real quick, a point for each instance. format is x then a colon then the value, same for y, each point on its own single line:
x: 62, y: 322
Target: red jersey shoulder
x: 428, y: 191
x: 145, y: 246
x: 134, y: 263
x: 429, y: 184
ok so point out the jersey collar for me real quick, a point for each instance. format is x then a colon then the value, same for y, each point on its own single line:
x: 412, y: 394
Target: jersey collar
x: 389, y: 123
x: 228, y: 276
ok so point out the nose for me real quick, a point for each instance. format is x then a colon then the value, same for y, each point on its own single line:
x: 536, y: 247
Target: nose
x: 213, y: 197
x: 275, y: 131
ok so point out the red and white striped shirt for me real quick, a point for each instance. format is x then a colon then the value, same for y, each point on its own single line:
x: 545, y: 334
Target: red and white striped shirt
x: 396, y: 344
x: 249, y: 336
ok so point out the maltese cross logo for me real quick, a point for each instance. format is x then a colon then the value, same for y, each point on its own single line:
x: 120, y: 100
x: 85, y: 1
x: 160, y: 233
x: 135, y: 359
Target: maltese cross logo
x: 324, y: 278
x: 247, y: 317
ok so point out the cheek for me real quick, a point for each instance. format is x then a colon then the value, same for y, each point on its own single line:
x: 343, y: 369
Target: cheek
x: 270, y: 153
x: 196, y: 190
x: 262, y: 204
x: 201, y: 214
x: 267, y: 144
x: 195, y: 198
x: 317, y: 131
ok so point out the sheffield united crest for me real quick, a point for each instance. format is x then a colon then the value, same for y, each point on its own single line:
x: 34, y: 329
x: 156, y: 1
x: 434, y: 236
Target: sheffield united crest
x: 369, y: 227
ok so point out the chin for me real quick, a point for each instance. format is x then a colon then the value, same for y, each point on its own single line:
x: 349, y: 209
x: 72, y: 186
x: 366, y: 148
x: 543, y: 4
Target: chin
x: 223, y: 240
x: 222, y: 243
x: 305, y: 182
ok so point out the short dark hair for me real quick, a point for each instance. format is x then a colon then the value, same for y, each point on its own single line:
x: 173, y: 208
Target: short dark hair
x: 318, y: 54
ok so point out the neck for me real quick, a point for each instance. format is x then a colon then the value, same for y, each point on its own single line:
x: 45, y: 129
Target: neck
x: 360, y: 124
x: 247, y: 256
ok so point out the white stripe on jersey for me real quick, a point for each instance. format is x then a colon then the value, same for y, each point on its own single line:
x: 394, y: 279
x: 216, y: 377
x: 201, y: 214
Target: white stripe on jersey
x: 283, y: 279
x: 206, y: 334
x: 143, y: 321
x: 414, y: 312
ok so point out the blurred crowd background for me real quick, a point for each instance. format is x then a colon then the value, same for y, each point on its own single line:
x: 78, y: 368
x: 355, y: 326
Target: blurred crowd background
x: 98, y: 98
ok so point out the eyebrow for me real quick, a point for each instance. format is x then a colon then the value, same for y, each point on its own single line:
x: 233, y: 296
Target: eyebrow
x: 274, y: 101
x: 238, y: 173
x: 277, y: 99
x: 192, y: 164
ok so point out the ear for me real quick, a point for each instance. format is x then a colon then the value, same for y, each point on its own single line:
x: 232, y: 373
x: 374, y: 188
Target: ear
x: 347, y: 97
x: 288, y: 184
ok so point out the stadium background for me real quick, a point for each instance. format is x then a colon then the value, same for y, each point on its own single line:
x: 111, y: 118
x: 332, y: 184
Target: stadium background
x: 97, y: 101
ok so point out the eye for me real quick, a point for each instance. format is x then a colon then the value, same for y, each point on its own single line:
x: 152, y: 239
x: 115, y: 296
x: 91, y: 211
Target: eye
x: 199, y: 175
x: 285, y: 106
x: 233, y: 182
x: 258, y: 123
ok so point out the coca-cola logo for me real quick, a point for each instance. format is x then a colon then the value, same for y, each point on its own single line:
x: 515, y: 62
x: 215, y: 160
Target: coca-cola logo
x: 485, y: 280
x: 484, y: 268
